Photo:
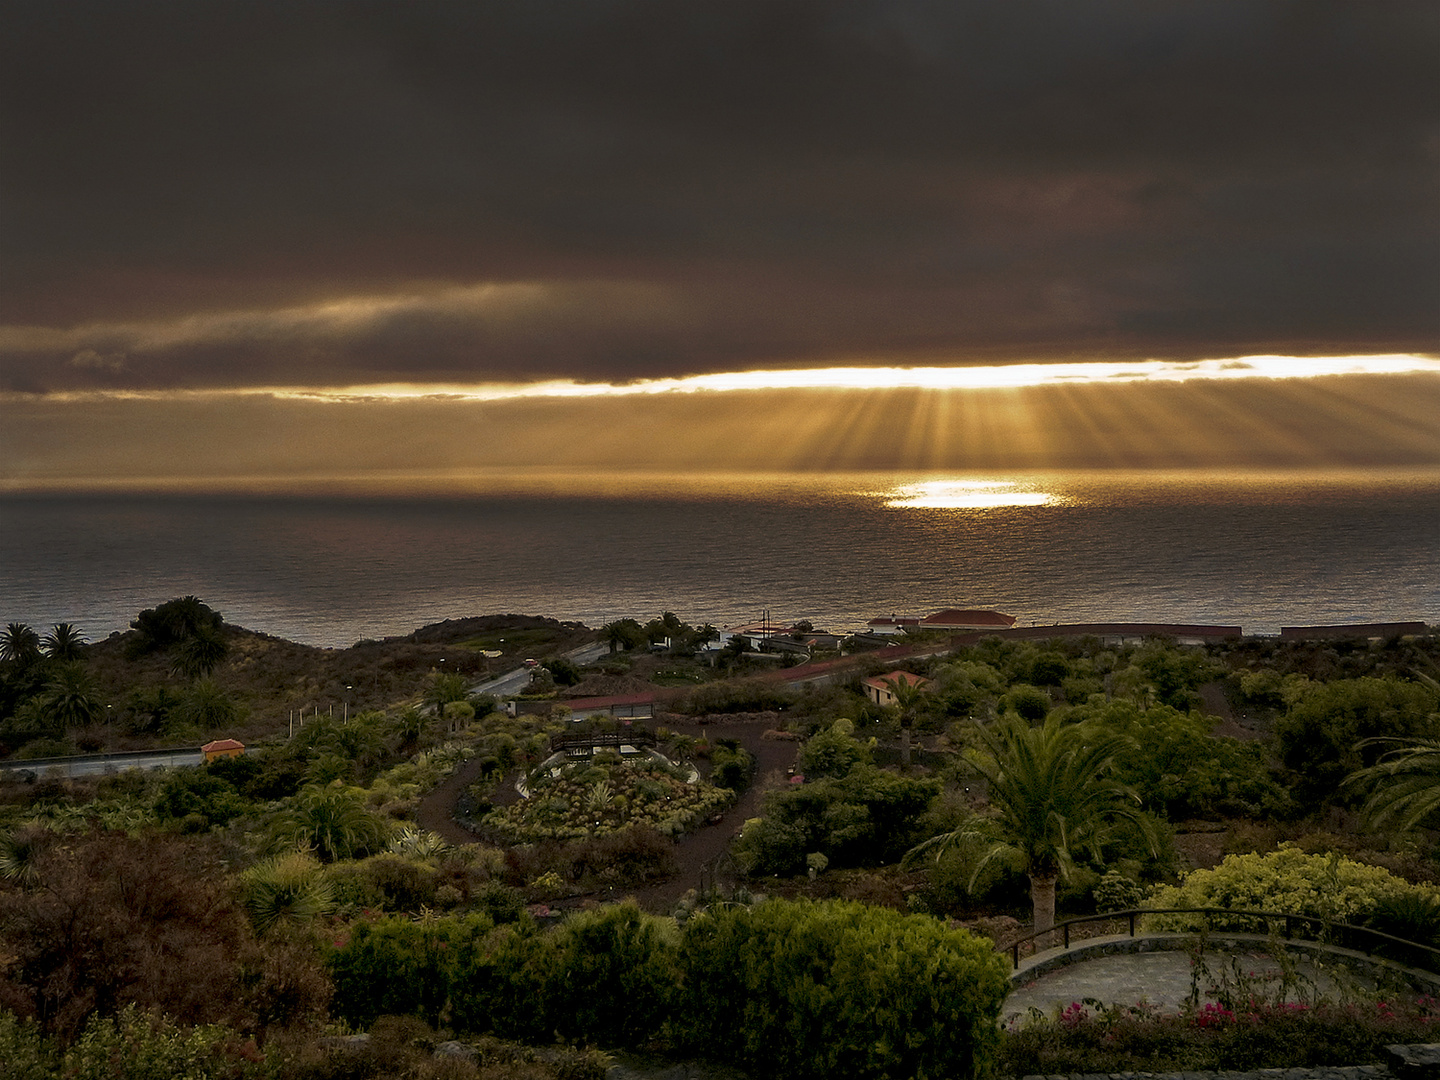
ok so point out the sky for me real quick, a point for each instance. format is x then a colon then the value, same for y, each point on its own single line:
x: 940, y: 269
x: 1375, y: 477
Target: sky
x: 244, y: 239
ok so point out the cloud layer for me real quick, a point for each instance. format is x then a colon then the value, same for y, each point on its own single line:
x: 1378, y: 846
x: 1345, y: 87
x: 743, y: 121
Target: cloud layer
x: 306, y: 193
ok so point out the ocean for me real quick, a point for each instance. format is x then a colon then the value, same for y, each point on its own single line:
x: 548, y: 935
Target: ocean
x: 1257, y: 550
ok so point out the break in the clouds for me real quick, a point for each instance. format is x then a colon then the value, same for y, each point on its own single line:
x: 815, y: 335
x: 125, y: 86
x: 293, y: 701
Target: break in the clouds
x: 303, y: 193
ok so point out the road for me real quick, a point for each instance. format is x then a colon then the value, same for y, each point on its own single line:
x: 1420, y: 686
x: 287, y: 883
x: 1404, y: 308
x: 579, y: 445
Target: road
x: 100, y: 764
x: 515, y: 682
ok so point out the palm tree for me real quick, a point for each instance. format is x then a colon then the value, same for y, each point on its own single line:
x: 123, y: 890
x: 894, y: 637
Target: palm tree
x: 1404, y: 785
x: 201, y: 653
x: 906, y: 693
x: 63, y: 642
x: 1055, y: 800
x: 622, y: 634
x: 332, y: 820
x: 70, y: 697
x: 19, y: 644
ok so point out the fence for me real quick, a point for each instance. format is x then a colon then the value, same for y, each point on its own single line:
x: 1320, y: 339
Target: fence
x: 1345, y: 935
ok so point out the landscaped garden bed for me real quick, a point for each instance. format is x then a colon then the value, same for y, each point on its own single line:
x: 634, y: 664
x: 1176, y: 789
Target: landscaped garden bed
x: 604, y: 794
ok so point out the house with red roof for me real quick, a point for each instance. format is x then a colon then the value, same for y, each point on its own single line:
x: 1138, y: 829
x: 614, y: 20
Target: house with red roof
x: 222, y: 748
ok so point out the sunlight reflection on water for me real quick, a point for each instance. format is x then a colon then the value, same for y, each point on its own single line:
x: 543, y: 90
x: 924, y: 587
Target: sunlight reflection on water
x: 1260, y: 551
x: 966, y: 495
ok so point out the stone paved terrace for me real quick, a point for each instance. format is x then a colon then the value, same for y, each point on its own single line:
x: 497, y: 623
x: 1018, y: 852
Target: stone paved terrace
x: 1156, y: 969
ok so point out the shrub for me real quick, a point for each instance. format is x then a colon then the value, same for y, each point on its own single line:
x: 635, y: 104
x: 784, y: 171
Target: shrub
x: 1116, y: 892
x: 865, y: 818
x: 286, y: 889
x: 397, y: 967
x: 834, y: 752
x: 731, y: 765
x: 1286, y: 880
x: 154, y: 923
x: 619, y: 976
x: 136, y: 1046
x: 1028, y: 702
x: 839, y: 989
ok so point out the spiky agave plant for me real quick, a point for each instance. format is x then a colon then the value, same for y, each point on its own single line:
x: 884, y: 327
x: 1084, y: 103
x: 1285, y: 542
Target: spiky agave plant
x: 417, y: 843
x: 19, y: 851
x: 288, y: 889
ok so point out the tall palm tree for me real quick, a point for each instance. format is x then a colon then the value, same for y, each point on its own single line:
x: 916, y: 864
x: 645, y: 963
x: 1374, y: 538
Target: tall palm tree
x: 19, y: 643
x: 201, y: 653
x: 70, y: 697
x: 622, y: 634
x: 907, y: 694
x: 63, y: 642
x: 1056, y: 801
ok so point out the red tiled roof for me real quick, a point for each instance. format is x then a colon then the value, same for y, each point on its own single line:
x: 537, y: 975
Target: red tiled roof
x: 221, y: 744
x: 879, y: 681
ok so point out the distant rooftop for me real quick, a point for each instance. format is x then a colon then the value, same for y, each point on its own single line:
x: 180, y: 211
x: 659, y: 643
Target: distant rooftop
x: 969, y: 619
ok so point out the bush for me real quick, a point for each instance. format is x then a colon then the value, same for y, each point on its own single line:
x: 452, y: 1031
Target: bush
x: 839, y: 989
x: 397, y: 967
x: 731, y: 765
x: 1287, y: 880
x: 154, y: 923
x: 136, y: 1046
x: 619, y: 976
x: 1028, y: 702
x: 737, y: 695
x: 865, y: 818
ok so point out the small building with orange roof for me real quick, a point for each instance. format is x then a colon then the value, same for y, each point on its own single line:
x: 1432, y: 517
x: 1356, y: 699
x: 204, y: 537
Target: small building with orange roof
x: 222, y: 748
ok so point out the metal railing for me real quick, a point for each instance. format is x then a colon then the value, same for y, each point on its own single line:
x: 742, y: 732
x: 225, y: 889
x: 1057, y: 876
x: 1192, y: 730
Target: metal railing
x: 637, y: 737
x: 1331, y: 932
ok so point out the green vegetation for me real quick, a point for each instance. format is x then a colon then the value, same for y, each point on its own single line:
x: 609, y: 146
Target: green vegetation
x: 212, y: 921
x: 1285, y: 880
x: 1054, y: 800
x: 590, y: 798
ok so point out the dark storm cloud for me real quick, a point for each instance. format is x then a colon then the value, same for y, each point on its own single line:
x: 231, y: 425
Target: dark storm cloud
x: 703, y: 186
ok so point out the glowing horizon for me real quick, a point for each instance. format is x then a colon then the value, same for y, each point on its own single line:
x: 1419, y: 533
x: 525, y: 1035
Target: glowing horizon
x: 875, y: 377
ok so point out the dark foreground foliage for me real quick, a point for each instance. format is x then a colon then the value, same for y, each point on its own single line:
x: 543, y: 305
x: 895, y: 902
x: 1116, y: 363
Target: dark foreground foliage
x: 794, y: 989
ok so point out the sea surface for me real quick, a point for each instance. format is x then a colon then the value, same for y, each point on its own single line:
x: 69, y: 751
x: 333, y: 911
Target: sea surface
x: 1260, y: 551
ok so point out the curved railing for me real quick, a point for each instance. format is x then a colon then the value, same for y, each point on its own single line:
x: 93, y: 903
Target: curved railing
x: 1330, y: 932
x: 606, y: 739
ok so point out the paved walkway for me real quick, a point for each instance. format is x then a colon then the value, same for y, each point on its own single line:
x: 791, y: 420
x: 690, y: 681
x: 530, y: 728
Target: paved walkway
x: 1156, y: 970
x: 1163, y: 980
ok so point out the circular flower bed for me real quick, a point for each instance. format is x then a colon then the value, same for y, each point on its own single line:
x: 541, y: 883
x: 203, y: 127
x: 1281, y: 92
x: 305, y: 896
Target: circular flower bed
x: 591, y: 798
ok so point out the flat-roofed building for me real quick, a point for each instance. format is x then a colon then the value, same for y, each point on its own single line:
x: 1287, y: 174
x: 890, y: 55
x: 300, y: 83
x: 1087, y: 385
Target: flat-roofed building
x: 967, y: 619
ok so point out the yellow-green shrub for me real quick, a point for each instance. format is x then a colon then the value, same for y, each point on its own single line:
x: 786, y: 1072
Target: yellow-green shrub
x: 1285, y: 880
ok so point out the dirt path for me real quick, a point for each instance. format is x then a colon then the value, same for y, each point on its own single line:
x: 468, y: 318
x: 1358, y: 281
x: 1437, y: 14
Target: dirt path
x: 435, y: 810
x: 697, y: 853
